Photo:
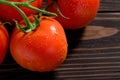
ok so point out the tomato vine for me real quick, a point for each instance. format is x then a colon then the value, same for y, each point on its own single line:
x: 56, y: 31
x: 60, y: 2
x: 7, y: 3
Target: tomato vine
x: 29, y: 25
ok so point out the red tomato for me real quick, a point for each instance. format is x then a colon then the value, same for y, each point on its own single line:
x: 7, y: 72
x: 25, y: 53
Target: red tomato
x: 3, y: 42
x: 43, y: 49
x: 9, y: 14
x: 79, y: 12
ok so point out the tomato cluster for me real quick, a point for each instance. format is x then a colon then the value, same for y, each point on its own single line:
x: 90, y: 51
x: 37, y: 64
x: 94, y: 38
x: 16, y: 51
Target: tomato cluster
x: 44, y: 48
x: 9, y: 14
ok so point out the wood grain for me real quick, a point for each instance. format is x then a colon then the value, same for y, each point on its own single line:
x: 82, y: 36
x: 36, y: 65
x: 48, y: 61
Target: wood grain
x: 110, y: 5
x: 92, y: 59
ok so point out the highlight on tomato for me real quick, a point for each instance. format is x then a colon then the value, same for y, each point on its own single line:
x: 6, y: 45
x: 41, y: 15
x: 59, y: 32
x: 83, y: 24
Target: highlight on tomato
x: 77, y: 13
x: 43, y: 49
x: 9, y: 14
x: 4, y: 39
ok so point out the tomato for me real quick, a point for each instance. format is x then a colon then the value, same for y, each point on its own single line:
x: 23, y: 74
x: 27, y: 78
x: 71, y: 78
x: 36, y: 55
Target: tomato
x: 79, y: 13
x: 4, y: 38
x: 9, y: 14
x: 43, y: 49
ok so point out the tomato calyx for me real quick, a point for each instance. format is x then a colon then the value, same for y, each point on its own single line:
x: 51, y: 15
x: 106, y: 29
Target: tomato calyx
x: 30, y: 26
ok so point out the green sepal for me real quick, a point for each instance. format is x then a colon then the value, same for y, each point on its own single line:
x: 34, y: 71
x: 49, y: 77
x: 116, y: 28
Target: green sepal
x: 27, y: 29
x: 36, y: 22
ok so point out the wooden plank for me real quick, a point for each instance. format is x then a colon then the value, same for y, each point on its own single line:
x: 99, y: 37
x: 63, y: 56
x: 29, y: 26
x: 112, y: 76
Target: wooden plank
x: 90, y: 58
x: 110, y: 5
x: 94, y: 52
x: 95, y: 57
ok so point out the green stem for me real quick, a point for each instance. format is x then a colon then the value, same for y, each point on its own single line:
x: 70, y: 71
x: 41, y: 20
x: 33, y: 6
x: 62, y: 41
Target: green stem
x: 54, y: 2
x: 27, y: 22
x: 26, y: 4
x: 29, y: 25
x: 42, y: 11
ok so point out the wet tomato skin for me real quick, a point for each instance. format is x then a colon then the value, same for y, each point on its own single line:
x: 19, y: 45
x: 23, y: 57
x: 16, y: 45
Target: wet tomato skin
x: 4, y: 39
x: 43, y: 49
x: 9, y: 14
x: 79, y: 13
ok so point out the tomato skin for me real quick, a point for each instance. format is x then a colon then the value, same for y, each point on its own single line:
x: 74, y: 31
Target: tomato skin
x: 4, y: 39
x: 41, y: 50
x: 13, y: 14
x: 79, y: 12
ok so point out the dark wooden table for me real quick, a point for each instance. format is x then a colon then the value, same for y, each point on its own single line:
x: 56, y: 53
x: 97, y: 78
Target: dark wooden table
x: 94, y: 52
